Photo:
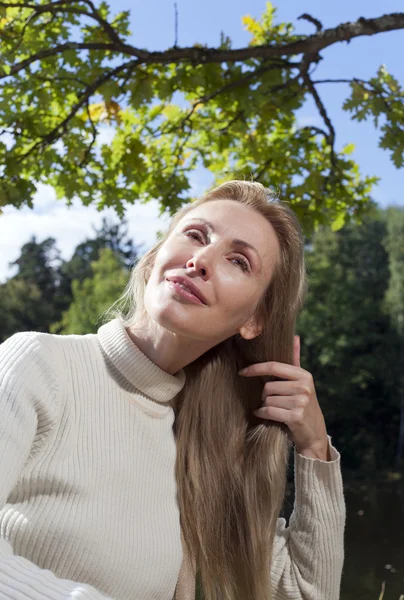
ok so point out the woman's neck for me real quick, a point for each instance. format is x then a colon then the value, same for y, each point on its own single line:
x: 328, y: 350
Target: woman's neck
x: 166, y: 349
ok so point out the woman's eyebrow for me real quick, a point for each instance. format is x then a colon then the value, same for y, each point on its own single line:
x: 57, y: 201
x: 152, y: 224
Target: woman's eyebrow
x: 235, y: 242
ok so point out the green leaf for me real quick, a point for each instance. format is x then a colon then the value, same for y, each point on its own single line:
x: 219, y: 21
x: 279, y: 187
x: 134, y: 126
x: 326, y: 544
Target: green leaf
x: 339, y: 222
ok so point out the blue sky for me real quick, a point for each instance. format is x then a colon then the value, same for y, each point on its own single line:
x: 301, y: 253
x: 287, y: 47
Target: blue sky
x: 152, y: 25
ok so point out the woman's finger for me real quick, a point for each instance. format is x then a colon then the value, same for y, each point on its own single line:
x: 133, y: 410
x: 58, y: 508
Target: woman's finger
x: 282, y: 388
x: 287, y: 402
x: 278, y: 369
x: 274, y: 414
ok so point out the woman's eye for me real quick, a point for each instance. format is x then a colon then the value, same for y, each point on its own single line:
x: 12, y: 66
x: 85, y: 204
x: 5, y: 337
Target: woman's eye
x: 241, y: 262
x: 194, y: 234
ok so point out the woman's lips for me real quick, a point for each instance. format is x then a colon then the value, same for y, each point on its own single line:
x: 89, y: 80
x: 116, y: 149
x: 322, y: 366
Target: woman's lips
x: 184, y: 293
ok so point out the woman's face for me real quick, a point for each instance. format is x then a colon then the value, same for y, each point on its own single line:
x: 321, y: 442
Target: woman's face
x: 230, y: 275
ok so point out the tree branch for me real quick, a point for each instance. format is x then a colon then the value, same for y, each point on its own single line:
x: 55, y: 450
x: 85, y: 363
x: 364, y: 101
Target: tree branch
x: 316, y: 130
x: 94, y: 132
x: 318, y: 25
x: 237, y: 116
x: 370, y: 88
x: 321, y: 109
x: 309, y: 45
x: 180, y: 151
x: 23, y: 64
x: 54, y: 78
x: 60, y: 129
x: 109, y: 30
x: 262, y: 169
x: 330, y: 137
x: 65, y: 6
x: 176, y: 25
x: 232, y: 84
x: 336, y: 81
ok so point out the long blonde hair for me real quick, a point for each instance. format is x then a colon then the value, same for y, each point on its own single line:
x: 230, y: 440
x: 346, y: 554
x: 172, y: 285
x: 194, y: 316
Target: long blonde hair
x: 231, y: 467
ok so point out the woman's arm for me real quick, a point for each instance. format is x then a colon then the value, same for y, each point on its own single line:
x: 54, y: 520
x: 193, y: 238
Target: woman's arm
x: 28, y: 398
x: 309, y: 554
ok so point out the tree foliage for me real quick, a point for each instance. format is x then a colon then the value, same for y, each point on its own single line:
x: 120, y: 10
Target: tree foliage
x: 395, y: 247
x: 44, y: 286
x: 94, y: 295
x: 394, y: 303
x: 349, y: 343
x: 21, y: 308
x: 109, y: 235
x: 36, y: 264
x: 37, y: 289
x: 67, y: 70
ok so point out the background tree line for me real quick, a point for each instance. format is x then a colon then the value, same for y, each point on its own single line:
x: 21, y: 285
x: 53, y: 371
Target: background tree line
x: 52, y: 295
x: 351, y: 326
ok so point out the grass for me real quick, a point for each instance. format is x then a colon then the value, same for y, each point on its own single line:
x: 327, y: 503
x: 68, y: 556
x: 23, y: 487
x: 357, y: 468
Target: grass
x: 383, y: 589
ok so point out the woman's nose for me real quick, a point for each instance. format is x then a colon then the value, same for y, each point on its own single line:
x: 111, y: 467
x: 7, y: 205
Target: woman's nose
x: 200, y: 264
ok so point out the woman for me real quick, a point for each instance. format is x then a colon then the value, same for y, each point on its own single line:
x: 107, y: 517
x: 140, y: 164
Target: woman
x: 136, y: 458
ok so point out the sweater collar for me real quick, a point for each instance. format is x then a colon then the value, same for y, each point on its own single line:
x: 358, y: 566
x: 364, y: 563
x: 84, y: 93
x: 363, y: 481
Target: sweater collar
x: 135, y: 366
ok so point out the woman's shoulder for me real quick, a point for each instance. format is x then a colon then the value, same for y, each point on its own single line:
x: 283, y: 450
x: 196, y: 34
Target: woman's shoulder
x: 43, y: 350
x: 45, y: 340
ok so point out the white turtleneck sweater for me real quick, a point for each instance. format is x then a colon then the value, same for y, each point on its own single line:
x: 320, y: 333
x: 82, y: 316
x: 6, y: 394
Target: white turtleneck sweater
x: 88, y: 506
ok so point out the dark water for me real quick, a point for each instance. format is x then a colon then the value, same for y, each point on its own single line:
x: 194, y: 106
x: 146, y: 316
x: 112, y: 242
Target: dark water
x: 374, y: 540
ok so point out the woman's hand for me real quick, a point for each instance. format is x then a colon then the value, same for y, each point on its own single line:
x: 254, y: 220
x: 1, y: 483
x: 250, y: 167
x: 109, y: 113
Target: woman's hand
x: 293, y: 402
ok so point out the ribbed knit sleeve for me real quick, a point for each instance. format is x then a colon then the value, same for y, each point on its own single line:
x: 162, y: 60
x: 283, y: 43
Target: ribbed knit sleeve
x: 309, y: 554
x: 29, y: 411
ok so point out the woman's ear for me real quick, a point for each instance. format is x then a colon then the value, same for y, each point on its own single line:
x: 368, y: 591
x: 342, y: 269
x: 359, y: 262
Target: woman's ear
x: 251, y: 329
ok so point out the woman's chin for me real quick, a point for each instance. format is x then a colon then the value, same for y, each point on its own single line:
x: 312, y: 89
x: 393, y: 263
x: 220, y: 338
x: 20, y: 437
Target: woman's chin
x: 176, y: 319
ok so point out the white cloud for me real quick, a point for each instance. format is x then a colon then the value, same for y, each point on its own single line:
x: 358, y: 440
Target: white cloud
x: 68, y: 225
x: 106, y: 135
x: 7, y: 139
